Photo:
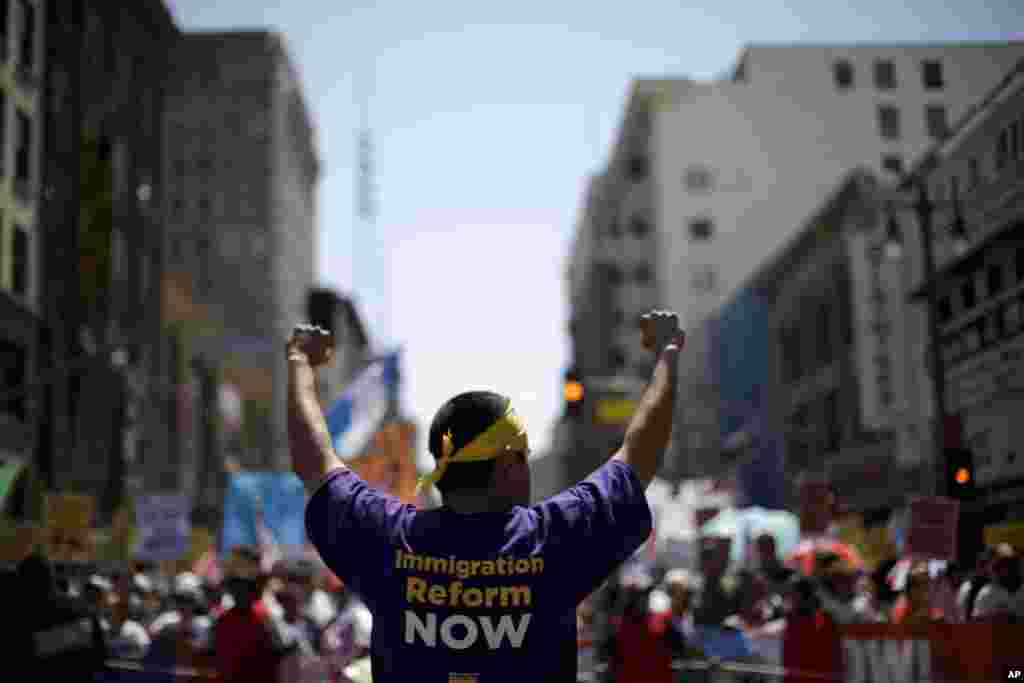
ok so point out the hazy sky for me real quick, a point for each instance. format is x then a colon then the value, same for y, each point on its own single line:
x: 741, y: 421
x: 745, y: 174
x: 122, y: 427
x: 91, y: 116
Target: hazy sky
x: 487, y: 117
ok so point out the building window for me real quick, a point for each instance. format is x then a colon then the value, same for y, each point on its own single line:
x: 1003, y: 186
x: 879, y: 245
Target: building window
x: 824, y: 333
x: 638, y: 168
x: 23, y: 155
x: 1015, y: 143
x: 833, y: 424
x: 13, y: 360
x: 892, y: 163
x: 1018, y: 262
x: 617, y: 358
x: 967, y: 294
x: 642, y: 273
x: 937, y: 121
x: 1002, y: 149
x: 701, y: 229
x: 994, y: 278
x: 204, y: 207
x: 885, y: 74
x: 945, y: 309
x: 697, y: 179
x: 842, y: 74
x: 27, y: 47
x: 973, y: 173
x: 638, y: 226
x: 20, y: 258
x: 5, y: 16
x: 888, y: 122
x: 704, y: 280
x: 972, y: 339
x: 789, y: 343
x: 931, y: 74
x: 614, y: 274
x: 618, y: 317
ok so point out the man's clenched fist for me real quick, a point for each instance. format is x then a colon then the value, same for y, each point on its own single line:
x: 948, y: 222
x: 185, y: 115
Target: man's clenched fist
x: 311, y: 343
x: 660, y: 329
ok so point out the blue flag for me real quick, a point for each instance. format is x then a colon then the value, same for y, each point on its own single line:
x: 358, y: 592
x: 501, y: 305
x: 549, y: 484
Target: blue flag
x: 355, y: 417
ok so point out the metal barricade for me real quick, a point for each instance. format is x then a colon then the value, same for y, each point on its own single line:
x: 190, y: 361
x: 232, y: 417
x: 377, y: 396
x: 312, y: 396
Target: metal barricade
x: 129, y: 671
x: 721, y: 671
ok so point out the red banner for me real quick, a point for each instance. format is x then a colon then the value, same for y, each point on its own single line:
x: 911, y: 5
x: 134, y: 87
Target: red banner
x: 932, y: 653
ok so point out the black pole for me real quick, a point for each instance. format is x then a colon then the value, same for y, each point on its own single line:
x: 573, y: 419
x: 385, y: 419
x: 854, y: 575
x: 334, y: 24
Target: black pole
x: 924, y: 208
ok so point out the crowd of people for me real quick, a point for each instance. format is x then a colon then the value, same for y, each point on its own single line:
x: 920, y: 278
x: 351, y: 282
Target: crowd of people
x: 297, y: 623
x: 291, y: 622
x: 647, y: 620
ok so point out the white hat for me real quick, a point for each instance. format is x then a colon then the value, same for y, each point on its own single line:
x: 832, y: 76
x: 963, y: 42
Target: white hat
x: 362, y: 626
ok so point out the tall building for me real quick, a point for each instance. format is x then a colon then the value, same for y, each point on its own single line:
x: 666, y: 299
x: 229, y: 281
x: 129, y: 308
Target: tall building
x: 101, y: 237
x: 21, y: 308
x: 241, y: 213
x: 738, y: 163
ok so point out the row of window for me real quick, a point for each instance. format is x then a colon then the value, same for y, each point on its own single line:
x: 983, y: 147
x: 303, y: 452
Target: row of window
x: 995, y: 327
x: 21, y: 24
x: 638, y: 226
x: 700, y: 229
x: 23, y: 149
x: 885, y: 78
x: 996, y: 278
x: 935, y: 116
x: 1009, y: 148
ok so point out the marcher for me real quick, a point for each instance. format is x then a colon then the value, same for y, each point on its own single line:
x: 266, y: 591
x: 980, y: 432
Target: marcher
x: 486, y: 587
x: 52, y: 637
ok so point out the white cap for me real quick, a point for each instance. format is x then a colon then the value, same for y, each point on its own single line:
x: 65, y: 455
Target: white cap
x: 362, y: 626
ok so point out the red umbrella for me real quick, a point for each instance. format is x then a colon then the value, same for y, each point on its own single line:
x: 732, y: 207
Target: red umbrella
x: 803, y: 557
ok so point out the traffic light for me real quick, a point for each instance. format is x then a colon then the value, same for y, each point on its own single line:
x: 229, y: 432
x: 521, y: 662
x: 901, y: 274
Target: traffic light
x: 960, y: 473
x: 573, y: 391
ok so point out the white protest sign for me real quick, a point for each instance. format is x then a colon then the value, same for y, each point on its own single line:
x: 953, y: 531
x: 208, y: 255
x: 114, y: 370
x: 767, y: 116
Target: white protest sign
x: 163, y: 526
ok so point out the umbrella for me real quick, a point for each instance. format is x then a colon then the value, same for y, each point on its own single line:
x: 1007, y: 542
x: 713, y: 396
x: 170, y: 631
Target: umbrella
x: 782, y: 525
x: 803, y: 557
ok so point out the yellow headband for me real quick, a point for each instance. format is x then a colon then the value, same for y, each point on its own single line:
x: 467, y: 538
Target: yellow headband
x: 507, y: 433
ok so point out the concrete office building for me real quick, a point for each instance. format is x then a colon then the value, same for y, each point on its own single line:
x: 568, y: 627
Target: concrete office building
x: 21, y: 113
x: 242, y: 177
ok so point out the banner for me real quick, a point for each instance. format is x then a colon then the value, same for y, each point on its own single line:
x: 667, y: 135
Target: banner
x: 932, y: 529
x: 163, y: 526
x: 274, y: 500
x: 68, y: 523
x: 389, y: 462
x: 355, y: 417
x: 934, y: 653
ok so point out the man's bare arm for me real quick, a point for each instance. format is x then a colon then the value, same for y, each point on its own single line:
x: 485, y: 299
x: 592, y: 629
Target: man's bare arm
x: 649, y: 431
x: 309, y: 440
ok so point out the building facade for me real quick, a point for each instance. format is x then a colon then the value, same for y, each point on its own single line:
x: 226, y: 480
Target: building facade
x: 101, y: 247
x: 241, y: 215
x: 22, y: 55
x: 739, y: 161
x: 981, y: 291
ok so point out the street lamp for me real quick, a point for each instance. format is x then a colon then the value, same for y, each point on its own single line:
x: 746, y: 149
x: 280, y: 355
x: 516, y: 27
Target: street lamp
x: 925, y: 208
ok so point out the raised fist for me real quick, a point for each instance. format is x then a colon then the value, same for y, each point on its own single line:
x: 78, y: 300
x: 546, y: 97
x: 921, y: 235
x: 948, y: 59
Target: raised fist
x: 659, y: 329
x: 311, y: 342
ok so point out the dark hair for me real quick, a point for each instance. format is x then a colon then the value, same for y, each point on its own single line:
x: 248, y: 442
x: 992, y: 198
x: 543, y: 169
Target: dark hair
x: 467, y: 416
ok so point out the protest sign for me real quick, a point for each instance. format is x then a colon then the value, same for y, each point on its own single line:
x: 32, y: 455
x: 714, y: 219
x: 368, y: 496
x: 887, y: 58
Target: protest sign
x: 68, y: 521
x: 163, y: 526
x: 932, y: 528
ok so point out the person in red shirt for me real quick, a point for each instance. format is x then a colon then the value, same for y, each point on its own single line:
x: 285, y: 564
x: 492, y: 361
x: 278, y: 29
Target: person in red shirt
x: 811, y: 647
x: 249, y: 642
x: 641, y: 652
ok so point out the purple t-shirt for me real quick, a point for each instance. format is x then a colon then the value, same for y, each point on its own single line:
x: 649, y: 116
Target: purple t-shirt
x: 482, y: 598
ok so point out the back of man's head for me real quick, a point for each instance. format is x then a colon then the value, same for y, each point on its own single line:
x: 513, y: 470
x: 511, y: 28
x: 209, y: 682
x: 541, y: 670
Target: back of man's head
x: 466, y: 416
